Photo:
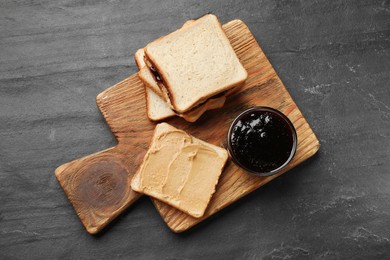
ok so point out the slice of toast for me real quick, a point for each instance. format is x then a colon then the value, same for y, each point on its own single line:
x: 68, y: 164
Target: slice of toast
x: 158, y: 111
x: 157, y: 108
x: 195, y: 63
x: 180, y: 170
x: 144, y: 73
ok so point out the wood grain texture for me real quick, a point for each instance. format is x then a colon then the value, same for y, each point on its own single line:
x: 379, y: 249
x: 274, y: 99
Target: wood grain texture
x: 98, y: 186
x: 123, y: 107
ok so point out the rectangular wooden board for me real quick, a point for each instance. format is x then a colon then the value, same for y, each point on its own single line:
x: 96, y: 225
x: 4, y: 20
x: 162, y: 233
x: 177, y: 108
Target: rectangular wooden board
x: 123, y: 107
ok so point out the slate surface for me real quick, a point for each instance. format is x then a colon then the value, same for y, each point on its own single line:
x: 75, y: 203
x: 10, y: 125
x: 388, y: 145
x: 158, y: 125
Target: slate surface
x: 333, y: 56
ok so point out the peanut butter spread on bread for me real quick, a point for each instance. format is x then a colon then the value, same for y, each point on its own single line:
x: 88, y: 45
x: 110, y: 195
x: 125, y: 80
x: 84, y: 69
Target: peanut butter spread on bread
x: 180, y: 170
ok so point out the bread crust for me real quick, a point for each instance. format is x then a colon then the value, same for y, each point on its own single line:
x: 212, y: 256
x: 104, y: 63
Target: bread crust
x: 167, y: 85
x: 201, y: 106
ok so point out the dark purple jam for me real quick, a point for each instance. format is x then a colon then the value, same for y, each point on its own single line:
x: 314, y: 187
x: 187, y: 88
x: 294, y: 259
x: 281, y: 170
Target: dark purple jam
x: 261, y: 140
x: 155, y: 74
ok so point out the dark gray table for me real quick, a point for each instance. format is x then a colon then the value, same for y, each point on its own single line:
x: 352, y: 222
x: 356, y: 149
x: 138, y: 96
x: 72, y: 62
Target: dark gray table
x: 334, y: 58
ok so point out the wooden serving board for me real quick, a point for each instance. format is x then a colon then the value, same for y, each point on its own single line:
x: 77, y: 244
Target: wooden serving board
x: 123, y: 107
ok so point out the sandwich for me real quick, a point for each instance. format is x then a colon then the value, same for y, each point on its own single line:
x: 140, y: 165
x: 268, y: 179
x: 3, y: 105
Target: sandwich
x: 192, y: 69
x: 180, y: 170
x: 158, y: 108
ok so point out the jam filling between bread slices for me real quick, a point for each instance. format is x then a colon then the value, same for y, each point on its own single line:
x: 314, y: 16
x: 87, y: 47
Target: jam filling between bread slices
x: 155, y: 74
x: 157, y: 77
x: 160, y: 82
